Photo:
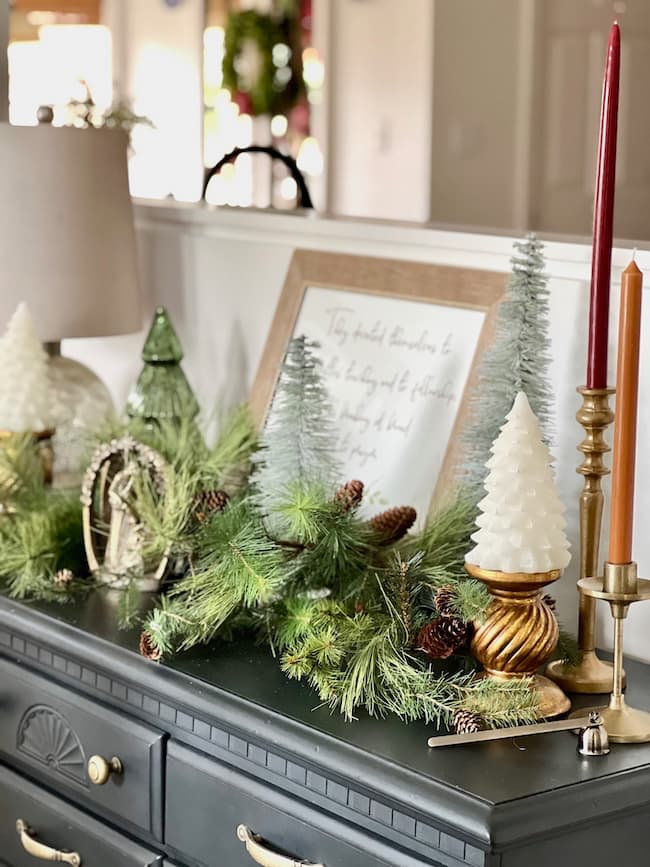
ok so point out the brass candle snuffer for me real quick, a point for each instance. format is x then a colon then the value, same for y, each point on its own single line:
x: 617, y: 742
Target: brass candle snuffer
x: 592, y: 741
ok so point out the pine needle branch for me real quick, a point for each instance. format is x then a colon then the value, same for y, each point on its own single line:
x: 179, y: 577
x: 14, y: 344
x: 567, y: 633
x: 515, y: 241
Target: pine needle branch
x: 229, y: 458
x: 22, y: 480
x: 36, y: 543
x: 568, y: 650
x: 167, y: 515
x: 237, y: 566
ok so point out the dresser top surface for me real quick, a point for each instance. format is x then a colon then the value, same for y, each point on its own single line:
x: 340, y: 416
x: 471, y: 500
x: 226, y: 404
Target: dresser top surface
x: 495, y: 773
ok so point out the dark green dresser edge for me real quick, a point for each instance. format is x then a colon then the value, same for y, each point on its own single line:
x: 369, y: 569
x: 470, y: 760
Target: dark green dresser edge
x: 481, y: 805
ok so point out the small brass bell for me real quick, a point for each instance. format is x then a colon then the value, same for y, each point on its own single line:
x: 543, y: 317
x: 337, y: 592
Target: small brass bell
x: 593, y: 740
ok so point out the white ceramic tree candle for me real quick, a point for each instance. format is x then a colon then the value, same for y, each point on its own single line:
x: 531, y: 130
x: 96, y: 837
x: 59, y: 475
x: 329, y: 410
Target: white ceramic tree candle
x: 521, y: 525
x: 24, y: 380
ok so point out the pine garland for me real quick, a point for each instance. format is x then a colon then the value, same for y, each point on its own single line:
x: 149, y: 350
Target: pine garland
x: 22, y: 477
x: 37, y: 542
x: 287, y: 555
x: 339, y: 597
x: 359, y: 660
x: 40, y: 529
x: 238, y: 567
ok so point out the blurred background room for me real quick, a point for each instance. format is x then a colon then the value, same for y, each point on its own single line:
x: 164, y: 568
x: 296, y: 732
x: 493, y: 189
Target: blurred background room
x: 453, y: 112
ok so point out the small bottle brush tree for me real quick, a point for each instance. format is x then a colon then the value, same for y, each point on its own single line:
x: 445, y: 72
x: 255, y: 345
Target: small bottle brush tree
x: 24, y: 380
x: 297, y: 446
x: 521, y: 525
x: 162, y: 392
x: 517, y: 360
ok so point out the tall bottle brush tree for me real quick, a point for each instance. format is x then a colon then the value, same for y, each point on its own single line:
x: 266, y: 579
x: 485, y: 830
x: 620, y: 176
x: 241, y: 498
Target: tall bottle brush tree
x: 517, y: 360
x: 298, y: 444
x: 162, y: 392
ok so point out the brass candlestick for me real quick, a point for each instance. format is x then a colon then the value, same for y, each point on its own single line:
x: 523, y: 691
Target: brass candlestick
x: 591, y: 675
x: 620, y: 587
x: 519, y: 633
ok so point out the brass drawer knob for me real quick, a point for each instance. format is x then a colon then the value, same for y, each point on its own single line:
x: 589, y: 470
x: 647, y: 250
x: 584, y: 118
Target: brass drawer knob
x: 41, y: 851
x: 261, y: 854
x: 99, y: 769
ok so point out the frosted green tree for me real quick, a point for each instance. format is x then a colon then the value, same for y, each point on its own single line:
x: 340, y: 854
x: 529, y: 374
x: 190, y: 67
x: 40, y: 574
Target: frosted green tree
x: 517, y: 360
x: 298, y: 444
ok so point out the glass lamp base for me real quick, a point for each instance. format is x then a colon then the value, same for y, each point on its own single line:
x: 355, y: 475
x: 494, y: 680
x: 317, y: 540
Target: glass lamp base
x: 81, y: 402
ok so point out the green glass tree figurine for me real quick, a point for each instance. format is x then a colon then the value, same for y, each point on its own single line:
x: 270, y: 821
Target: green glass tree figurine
x: 162, y: 392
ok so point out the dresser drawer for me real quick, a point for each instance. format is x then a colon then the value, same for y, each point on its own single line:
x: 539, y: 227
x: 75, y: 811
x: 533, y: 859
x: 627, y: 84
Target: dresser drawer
x: 207, y: 802
x: 59, y: 826
x: 52, y: 733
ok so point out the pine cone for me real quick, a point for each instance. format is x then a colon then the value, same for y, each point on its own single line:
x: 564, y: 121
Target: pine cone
x: 445, y: 601
x: 394, y: 523
x: 550, y: 601
x: 147, y: 648
x: 442, y: 637
x: 466, y: 722
x: 207, y: 503
x: 349, y: 495
x: 63, y: 577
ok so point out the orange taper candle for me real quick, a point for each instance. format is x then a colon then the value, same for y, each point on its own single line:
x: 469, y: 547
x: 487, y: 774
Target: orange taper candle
x: 627, y: 389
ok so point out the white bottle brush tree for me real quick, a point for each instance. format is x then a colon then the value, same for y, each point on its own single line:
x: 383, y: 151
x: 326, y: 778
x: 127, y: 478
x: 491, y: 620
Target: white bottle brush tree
x: 25, y: 403
x: 517, y: 360
x: 521, y: 522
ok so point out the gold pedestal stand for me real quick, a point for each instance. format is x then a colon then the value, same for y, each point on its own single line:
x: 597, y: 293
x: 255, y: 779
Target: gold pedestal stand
x: 591, y: 675
x: 620, y: 587
x: 519, y: 633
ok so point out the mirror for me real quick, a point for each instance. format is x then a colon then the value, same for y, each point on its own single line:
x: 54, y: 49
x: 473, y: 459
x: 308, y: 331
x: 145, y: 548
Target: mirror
x: 263, y: 81
x: 473, y: 114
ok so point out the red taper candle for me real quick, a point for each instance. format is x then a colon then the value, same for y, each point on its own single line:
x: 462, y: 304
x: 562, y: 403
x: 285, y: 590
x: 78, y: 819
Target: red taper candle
x: 627, y: 398
x: 601, y: 260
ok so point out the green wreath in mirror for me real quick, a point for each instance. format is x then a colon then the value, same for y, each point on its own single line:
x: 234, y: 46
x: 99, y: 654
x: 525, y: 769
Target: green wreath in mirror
x: 260, y: 62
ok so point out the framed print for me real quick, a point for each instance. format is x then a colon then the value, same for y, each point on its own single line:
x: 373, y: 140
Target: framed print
x: 399, y: 343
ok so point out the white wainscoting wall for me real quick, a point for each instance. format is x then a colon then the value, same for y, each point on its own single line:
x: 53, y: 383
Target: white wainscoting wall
x: 220, y: 272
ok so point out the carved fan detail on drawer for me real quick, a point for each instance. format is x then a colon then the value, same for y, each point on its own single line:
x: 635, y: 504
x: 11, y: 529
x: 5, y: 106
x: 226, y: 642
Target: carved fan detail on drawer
x: 45, y: 735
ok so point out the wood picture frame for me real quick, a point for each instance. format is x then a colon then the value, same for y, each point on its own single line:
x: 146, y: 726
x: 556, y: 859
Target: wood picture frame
x: 440, y: 285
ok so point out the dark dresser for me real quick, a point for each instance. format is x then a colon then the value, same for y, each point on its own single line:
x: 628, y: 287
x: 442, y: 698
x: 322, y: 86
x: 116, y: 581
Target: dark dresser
x: 217, y: 760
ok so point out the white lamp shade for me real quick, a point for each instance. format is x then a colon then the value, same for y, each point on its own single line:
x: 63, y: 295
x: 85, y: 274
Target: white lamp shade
x: 67, y: 241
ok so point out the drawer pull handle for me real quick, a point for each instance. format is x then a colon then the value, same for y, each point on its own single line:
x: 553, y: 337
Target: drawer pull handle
x: 99, y: 770
x: 261, y: 855
x: 45, y: 853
